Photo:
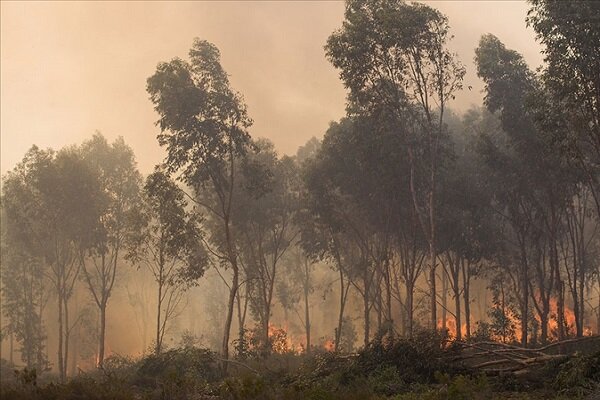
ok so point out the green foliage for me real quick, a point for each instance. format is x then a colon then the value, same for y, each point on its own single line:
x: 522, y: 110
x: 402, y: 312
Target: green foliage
x: 580, y: 375
x: 386, y: 380
x: 203, y: 121
x: 178, y: 366
x: 376, y: 373
x: 416, y: 360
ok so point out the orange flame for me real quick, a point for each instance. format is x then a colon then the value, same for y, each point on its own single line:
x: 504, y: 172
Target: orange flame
x: 283, y: 342
x: 329, y: 345
x: 451, y: 327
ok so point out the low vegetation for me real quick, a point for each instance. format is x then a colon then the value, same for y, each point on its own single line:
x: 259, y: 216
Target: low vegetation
x: 423, y: 367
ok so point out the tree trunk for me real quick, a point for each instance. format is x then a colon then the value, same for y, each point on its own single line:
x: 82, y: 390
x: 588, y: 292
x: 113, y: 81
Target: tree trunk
x: 466, y: 299
x: 525, y: 293
x: 266, y: 327
x: 444, y: 301
x: 366, y: 315
x: 544, y: 324
x: 307, y: 315
x: 388, y: 294
x: 229, y: 318
x: 338, y: 331
x: 306, y: 287
x: 432, y: 286
x: 75, y: 353
x: 66, y: 346
x: 12, y: 349
x: 409, y: 309
x: 560, y: 307
x: 579, y: 319
x: 101, y: 339
x: 60, y: 336
x: 157, y: 348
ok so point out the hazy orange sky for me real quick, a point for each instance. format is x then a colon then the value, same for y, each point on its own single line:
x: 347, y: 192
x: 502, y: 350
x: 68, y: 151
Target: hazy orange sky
x: 71, y: 68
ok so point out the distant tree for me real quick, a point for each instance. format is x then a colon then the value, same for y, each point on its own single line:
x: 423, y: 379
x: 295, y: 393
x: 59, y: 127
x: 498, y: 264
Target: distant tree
x: 267, y: 202
x: 24, y: 297
x: 120, y: 183
x: 204, y: 126
x: 168, y: 245
x: 467, y: 223
x: 51, y: 201
x: 296, y: 287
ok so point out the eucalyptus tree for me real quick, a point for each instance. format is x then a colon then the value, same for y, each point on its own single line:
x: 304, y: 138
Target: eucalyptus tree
x: 538, y: 185
x: 571, y: 39
x: 267, y: 201
x: 51, y: 200
x: 393, y: 56
x: 204, y: 124
x: 569, y: 32
x: 343, y: 175
x: 119, y: 182
x: 24, y: 296
x: 321, y: 237
x: 169, y: 246
x: 508, y: 82
x: 467, y: 224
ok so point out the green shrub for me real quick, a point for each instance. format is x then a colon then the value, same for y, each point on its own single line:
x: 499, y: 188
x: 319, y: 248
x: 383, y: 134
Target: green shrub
x: 579, y: 375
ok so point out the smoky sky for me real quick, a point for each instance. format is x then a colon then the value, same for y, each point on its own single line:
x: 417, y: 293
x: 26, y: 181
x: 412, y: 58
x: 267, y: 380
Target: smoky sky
x: 69, y: 69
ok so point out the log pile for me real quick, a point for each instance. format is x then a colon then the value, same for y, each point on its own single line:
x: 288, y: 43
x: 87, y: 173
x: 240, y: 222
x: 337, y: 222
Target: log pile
x: 494, y: 358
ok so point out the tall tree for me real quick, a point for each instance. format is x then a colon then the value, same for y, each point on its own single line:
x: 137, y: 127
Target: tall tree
x: 571, y: 38
x: 120, y: 183
x: 169, y: 246
x: 267, y: 201
x: 51, y: 200
x: 393, y: 56
x: 537, y: 185
x: 24, y: 297
x: 204, y: 126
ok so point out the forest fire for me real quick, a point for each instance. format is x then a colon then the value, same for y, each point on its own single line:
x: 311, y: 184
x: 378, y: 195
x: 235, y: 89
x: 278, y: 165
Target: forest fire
x: 329, y: 345
x: 450, y: 326
x: 388, y: 210
x: 569, y: 317
x: 283, y: 342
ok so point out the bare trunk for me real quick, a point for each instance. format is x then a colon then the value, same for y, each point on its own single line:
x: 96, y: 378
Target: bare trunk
x: 560, y: 307
x: 579, y: 319
x: 444, y: 301
x: 432, y: 286
x: 467, y: 312
x: 366, y: 315
x: 60, y: 336
x: 66, y: 355
x: 228, y: 320
x: 524, y: 294
x: 409, y: 309
x: 157, y: 348
x: 12, y: 349
x: 544, y: 324
x: 101, y: 339
x: 338, y: 331
x: 306, y: 307
x: 75, y: 353
x: 266, y: 326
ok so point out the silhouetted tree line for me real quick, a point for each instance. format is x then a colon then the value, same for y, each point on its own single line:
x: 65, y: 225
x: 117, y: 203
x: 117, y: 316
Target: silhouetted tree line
x: 398, y: 192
